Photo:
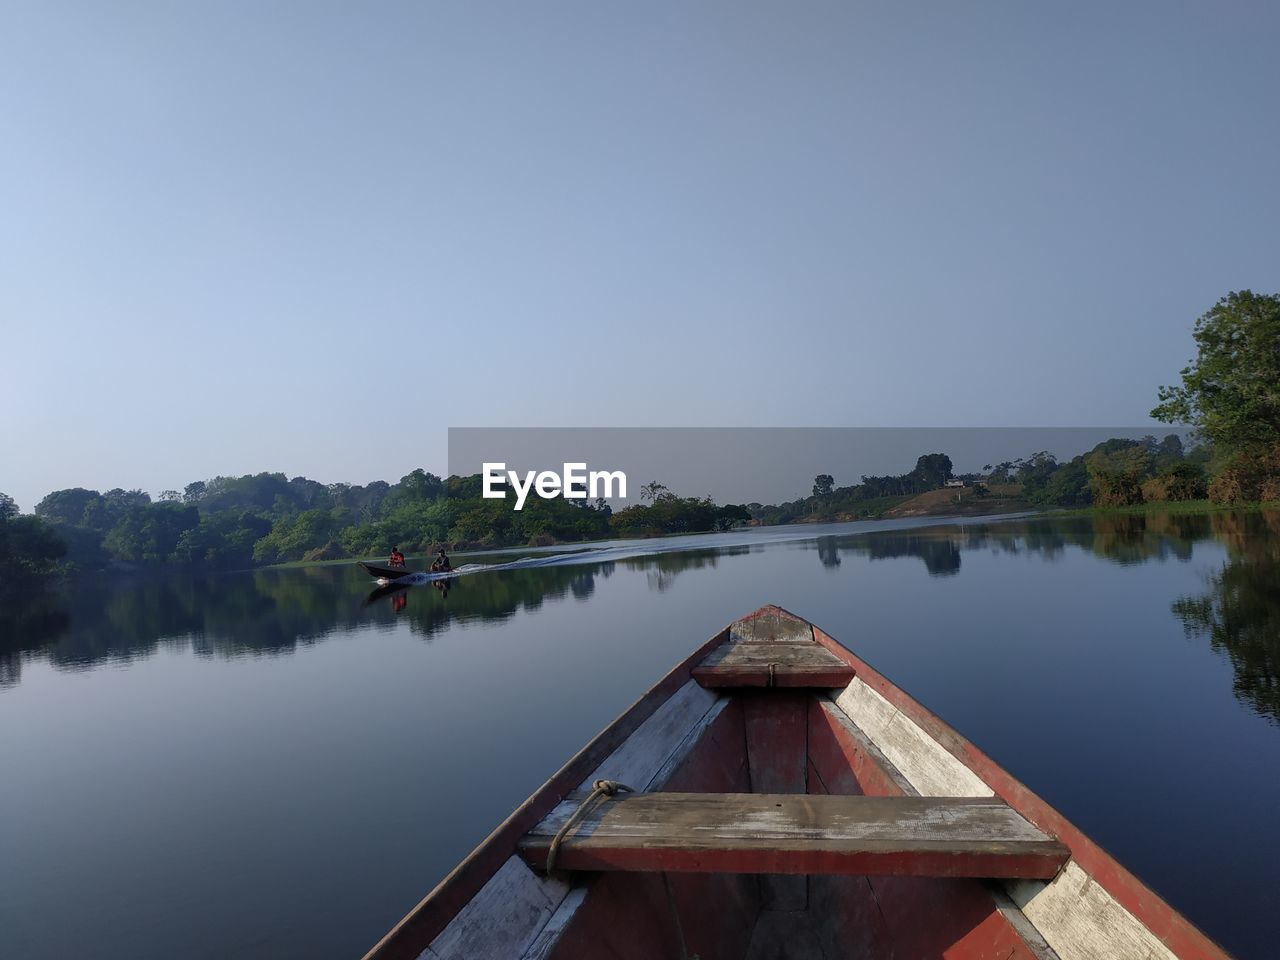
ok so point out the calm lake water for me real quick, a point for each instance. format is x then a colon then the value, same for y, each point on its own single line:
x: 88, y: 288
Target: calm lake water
x: 258, y: 765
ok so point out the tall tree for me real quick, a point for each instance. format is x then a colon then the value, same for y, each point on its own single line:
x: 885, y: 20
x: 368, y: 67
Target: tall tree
x: 1231, y: 390
x: 932, y: 470
x: 823, y: 484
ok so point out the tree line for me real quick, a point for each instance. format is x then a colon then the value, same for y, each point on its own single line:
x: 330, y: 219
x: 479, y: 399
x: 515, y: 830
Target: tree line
x: 267, y: 518
x: 1230, y: 393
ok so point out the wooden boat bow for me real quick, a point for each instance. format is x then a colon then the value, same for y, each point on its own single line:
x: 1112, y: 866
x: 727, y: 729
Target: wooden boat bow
x: 821, y: 810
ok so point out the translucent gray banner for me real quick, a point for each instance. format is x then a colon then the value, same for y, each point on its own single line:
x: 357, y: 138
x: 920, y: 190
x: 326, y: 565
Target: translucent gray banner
x: 745, y: 465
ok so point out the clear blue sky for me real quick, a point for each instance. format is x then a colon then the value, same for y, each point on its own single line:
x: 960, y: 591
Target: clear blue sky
x: 231, y: 233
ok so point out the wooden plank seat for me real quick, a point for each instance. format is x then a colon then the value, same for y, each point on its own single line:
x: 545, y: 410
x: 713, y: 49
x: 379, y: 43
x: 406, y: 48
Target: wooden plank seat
x: 798, y: 834
x: 773, y: 664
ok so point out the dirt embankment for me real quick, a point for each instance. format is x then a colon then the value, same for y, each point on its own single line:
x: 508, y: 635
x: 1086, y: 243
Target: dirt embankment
x: 962, y: 502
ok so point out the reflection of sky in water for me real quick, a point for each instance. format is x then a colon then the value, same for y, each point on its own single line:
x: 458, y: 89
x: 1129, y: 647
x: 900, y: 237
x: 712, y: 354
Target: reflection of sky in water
x: 246, y: 803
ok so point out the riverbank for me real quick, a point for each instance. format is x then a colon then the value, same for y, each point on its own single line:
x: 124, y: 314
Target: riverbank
x: 963, y: 502
x: 1173, y: 507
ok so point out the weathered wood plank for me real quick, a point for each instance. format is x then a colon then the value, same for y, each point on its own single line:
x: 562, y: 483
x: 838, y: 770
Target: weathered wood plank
x: 771, y: 625
x: 642, y: 755
x: 846, y: 761
x: 928, y: 766
x: 1082, y: 921
x: 779, y: 833
x: 504, y: 918
x: 679, y: 757
x: 777, y: 747
x: 773, y: 664
x: 545, y: 942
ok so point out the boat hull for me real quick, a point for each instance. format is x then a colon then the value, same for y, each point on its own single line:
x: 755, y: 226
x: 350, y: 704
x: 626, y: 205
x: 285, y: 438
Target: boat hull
x: 383, y: 572
x: 718, y: 727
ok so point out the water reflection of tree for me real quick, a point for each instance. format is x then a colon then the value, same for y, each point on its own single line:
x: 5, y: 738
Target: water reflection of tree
x: 274, y: 612
x: 829, y: 551
x: 941, y: 554
x: 661, y: 569
x: 1240, y: 612
x: 1122, y: 538
x: 27, y: 626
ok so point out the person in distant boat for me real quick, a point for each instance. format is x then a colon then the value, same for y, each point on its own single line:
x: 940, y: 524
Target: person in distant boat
x: 441, y: 563
x: 397, y: 558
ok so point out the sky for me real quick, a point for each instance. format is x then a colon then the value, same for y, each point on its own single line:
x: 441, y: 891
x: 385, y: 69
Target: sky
x: 310, y: 237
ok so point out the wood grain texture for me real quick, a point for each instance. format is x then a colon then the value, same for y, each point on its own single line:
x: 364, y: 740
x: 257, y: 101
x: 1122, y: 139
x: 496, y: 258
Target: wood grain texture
x: 782, y: 833
x: 771, y: 624
x: 928, y: 766
x: 846, y: 761
x: 544, y: 943
x: 1082, y: 921
x: 504, y: 918
x: 777, y: 749
x: 773, y: 664
x: 641, y: 756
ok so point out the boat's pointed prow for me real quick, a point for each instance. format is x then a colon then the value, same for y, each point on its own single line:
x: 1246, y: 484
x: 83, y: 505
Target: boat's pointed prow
x: 786, y: 799
x: 771, y: 624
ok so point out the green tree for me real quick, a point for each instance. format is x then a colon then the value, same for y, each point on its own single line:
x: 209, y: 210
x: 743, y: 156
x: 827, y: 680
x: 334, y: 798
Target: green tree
x: 149, y: 533
x: 730, y: 515
x: 932, y: 470
x: 654, y: 491
x: 1035, y: 472
x: 823, y: 484
x: 1067, y: 486
x: 67, y: 506
x: 1115, y: 477
x: 1231, y: 390
x: 29, y: 548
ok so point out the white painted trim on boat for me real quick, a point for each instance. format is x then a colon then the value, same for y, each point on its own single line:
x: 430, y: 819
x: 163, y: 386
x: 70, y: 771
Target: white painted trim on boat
x: 639, y: 758
x: 927, y: 765
x: 1081, y: 921
x: 1032, y: 938
x: 851, y: 729
x: 546, y: 940
x: 502, y: 920
x: 685, y: 747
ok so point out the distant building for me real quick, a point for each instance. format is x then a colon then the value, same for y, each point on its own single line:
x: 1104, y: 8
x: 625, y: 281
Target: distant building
x: 954, y: 482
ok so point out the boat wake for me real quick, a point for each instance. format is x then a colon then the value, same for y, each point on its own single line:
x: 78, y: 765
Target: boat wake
x: 633, y: 549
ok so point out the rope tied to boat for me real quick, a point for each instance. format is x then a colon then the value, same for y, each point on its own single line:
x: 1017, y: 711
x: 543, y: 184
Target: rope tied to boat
x: 600, y: 790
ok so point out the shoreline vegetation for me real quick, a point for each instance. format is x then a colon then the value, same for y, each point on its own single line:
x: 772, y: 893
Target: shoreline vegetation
x: 1230, y: 394
x: 269, y: 520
